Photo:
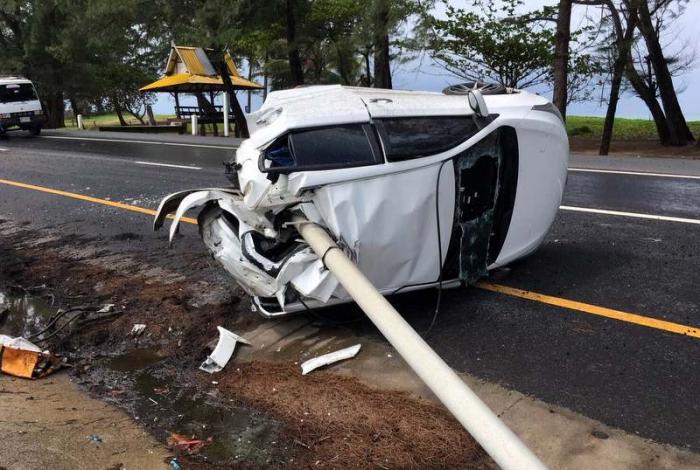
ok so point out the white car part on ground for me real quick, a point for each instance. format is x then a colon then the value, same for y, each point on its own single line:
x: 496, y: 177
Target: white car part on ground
x: 330, y: 358
x: 223, y: 351
x: 494, y: 436
x: 18, y: 343
x: 137, y: 329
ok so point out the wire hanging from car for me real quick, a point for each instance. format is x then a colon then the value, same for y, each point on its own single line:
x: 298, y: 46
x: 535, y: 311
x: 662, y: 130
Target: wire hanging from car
x: 439, y: 238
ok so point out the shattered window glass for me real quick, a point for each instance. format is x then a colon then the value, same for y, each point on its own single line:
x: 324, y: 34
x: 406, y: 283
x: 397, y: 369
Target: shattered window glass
x: 407, y: 138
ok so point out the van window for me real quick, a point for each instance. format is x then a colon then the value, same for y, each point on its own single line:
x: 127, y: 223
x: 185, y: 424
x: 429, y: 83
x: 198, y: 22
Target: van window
x: 12, y: 92
x: 334, y: 147
x: 413, y: 137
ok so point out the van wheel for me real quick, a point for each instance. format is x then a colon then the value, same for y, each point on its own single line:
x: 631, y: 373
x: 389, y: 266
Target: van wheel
x: 36, y: 130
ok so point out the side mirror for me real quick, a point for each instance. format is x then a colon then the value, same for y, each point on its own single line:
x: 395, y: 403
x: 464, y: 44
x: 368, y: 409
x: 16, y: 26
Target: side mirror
x: 477, y: 103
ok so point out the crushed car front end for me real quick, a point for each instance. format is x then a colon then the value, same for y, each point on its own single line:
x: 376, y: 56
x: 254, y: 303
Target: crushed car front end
x: 416, y: 188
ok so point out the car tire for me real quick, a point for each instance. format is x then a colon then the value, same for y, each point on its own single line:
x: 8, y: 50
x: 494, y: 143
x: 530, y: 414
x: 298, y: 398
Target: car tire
x: 36, y: 130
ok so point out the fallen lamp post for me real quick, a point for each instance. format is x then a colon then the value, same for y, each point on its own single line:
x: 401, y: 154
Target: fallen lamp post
x: 506, y: 449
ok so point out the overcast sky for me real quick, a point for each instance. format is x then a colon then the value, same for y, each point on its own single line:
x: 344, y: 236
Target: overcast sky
x: 423, y: 74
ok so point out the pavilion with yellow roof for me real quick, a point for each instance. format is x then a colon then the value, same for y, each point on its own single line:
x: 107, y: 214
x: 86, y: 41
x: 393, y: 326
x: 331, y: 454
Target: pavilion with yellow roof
x: 191, y: 70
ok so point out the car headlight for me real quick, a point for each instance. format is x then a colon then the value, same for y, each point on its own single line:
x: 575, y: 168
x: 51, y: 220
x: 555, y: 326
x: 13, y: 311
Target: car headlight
x: 38, y: 113
x: 5, y: 115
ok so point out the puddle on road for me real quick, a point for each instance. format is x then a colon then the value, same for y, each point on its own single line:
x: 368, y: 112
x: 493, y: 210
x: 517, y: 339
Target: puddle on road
x: 157, y: 396
x: 134, y: 360
x: 23, y: 315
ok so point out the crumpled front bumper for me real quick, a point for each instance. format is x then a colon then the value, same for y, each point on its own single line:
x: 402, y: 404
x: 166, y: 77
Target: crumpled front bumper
x: 270, y: 263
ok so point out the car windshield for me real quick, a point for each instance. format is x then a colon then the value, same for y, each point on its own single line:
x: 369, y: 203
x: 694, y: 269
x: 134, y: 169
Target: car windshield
x: 13, y: 92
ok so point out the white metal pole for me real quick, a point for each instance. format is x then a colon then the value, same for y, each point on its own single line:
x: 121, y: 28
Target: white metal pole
x: 194, y: 124
x: 80, y: 121
x: 494, y: 436
x: 226, y: 108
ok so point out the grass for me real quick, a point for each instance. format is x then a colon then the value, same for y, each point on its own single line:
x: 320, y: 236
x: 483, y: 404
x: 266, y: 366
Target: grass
x: 94, y: 121
x: 589, y: 127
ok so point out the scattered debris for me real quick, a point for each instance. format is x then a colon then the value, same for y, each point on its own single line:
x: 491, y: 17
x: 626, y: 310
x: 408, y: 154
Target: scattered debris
x: 95, y: 439
x: 106, y: 308
x: 223, y: 351
x: 175, y: 464
x: 22, y: 358
x: 189, y: 446
x: 18, y: 343
x: 138, y: 329
x: 330, y: 358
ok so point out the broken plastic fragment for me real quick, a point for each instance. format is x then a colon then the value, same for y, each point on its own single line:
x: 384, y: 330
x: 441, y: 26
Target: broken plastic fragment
x: 22, y: 358
x: 106, y: 308
x: 187, y: 445
x: 330, y: 358
x: 18, y: 343
x: 138, y: 329
x: 223, y: 351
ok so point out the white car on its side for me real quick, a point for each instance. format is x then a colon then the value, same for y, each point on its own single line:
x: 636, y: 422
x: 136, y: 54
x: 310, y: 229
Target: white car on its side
x: 420, y: 189
x: 20, y: 107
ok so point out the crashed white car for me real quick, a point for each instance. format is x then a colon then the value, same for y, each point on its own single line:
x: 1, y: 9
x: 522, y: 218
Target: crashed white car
x: 420, y: 189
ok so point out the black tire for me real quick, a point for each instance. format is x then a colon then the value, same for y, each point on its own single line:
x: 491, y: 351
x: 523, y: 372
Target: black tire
x: 36, y: 130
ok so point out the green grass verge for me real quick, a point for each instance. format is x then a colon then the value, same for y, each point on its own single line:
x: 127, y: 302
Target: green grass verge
x: 94, y: 121
x: 589, y: 127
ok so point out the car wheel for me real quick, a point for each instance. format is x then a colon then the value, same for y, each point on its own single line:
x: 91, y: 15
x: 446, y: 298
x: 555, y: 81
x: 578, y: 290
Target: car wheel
x: 35, y: 130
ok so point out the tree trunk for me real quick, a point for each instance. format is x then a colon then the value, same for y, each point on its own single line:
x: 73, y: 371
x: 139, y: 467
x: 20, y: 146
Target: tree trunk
x: 151, y: 117
x: 55, y: 110
x: 118, y: 110
x: 647, y: 95
x: 382, y: 59
x: 76, y: 111
x: 679, y: 131
x: 368, y: 78
x: 295, y: 69
x: 623, y: 47
x: 561, y: 56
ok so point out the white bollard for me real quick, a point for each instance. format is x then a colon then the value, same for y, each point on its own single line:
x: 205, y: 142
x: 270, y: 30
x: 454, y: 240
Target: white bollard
x: 495, y: 437
x: 79, y: 117
x: 194, y: 124
x: 226, y: 108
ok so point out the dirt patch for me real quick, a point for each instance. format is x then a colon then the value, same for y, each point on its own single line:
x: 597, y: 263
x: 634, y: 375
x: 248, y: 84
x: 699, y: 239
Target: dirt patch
x: 323, y: 419
x: 342, y: 423
x: 645, y: 148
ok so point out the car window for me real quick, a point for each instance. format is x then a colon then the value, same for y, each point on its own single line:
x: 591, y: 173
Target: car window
x: 413, y: 137
x: 324, y: 148
x: 13, y: 92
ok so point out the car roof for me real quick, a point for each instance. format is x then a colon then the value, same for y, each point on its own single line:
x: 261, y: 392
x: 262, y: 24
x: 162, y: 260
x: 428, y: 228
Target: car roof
x: 13, y: 79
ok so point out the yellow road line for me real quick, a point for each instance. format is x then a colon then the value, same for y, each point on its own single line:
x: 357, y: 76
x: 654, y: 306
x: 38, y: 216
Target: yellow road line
x: 542, y: 298
x: 82, y: 197
x: 593, y: 309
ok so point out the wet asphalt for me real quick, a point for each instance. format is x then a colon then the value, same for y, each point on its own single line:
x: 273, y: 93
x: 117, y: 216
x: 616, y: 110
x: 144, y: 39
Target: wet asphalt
x: 643, y: 380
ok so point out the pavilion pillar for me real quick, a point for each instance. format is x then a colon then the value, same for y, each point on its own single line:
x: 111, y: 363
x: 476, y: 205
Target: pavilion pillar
x: 177, y: 105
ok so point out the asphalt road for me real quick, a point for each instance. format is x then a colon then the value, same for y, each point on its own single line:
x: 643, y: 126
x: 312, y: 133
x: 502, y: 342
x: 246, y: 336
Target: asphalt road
x: 641, y: 379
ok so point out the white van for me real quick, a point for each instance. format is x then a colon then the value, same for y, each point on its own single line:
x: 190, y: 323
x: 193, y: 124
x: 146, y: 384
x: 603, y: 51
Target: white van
x: 20, y: 106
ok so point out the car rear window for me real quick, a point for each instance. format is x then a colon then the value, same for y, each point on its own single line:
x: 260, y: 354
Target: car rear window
x: 13, y: 92
x: 324, y: 148
x: 414, y: 137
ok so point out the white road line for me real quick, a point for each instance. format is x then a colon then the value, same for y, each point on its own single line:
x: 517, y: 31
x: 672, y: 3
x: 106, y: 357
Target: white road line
x: 636, y: 173
x: 138, y: 142
x: 635, y: 215
x: 184, y: 167
x: 3, y: 149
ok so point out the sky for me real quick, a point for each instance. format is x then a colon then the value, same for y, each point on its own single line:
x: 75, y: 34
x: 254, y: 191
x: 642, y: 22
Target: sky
x: 424, y: 74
